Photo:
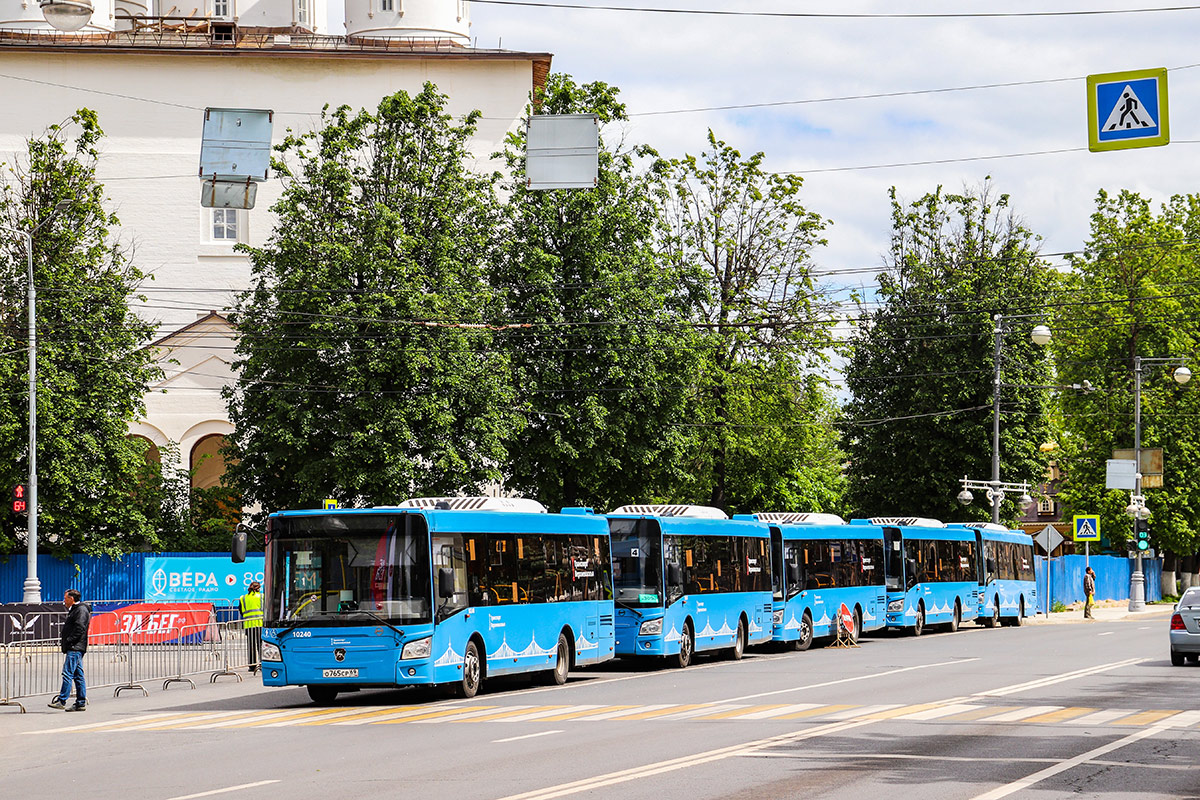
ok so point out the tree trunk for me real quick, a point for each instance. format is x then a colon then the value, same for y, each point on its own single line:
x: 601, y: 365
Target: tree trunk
x: 1168, y: 583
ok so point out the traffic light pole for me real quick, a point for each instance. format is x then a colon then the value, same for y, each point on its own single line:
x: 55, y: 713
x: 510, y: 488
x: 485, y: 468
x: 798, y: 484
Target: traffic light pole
x: 1137, y: 581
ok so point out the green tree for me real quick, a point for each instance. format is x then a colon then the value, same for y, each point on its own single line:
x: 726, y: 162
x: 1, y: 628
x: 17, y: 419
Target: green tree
x: 921, y: 372
x: 1131, y: 292
x: 96, y: 493
x: 363, y: 370
x: 766, y: 335
x: 605, y: 369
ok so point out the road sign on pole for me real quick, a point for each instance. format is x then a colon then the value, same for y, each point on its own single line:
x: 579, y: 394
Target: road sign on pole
x: 1127, y: 109
x: 1087, y: 527
x: 1049, y: 538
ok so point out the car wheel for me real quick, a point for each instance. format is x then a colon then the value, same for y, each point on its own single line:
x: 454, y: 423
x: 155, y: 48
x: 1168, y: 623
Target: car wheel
x: 1176, y: 658
x: 323, y: 695
x: 1193, y: 658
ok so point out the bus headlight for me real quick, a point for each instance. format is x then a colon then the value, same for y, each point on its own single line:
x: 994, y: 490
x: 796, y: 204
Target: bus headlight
x: 651, y: 627
x: 270, y: 652
x: 418, y: 649
x: 896, y: 605
x: 777, y: 617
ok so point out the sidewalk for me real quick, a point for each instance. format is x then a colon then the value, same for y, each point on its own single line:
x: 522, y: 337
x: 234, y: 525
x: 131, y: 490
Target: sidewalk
x: 1102, y: 611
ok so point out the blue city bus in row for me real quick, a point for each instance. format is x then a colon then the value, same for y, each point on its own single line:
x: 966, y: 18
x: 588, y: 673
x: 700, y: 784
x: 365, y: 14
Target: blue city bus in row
x: 689, y: 579
x: 444, y: 591
x: 1007, y: 584
x: 931, y: 571
x: 818, y: 564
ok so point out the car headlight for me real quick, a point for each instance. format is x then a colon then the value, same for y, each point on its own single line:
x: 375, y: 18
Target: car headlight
x: 896, y: 605
x: 651, y: 627
x: 418, y: 649
x: 777, y: 617
x: 270, y: 652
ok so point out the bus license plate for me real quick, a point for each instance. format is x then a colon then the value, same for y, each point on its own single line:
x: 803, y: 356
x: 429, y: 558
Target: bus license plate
x: 339, y: 673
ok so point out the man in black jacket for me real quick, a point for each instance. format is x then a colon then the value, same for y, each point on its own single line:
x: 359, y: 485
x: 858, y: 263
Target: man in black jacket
x: 74, y: 644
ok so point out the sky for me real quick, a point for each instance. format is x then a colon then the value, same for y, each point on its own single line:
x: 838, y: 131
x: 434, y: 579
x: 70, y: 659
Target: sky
x: 673, y: 62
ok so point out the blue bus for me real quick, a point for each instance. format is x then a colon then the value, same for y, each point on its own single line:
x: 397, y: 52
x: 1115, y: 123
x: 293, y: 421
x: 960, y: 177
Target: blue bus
x: 931, y: 572
x: 818, y: 564
x: 1007, y: 584
x: 445, y: 591
x: 689, y: 579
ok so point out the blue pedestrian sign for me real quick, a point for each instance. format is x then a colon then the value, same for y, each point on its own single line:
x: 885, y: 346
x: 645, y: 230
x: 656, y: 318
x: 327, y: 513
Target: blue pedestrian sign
x: 1127, y: 109
x: 1087, y: 527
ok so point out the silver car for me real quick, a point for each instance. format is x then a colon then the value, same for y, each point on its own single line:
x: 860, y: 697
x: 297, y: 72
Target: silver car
x: 1185, y: 628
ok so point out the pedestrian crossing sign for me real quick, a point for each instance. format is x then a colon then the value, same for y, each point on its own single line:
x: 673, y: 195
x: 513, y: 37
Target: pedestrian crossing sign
x: 1087, y: 528
x: 1127, y: 109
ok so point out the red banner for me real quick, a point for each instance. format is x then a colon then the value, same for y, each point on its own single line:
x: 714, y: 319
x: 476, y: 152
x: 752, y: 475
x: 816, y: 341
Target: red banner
x: 153, y: 623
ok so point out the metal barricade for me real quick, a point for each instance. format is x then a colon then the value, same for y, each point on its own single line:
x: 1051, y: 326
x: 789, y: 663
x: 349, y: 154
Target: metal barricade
x: 6, y: 696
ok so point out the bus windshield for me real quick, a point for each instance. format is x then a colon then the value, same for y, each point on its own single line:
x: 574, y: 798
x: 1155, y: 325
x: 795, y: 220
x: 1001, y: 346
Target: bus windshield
x: 350, y: 569
x: 637, y: 562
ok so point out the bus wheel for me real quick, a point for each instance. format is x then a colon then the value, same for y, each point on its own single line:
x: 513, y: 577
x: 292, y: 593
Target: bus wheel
x: 956, y: 618
x: 806, y: 634
x: 558, y: 675
x: 686, y: 646
x: 856, y: 634
x: 322, y: 695
x: 994, y: 619
x: 739, y: 643
x: 472, y: 673
x: 1019, y: 619
x: 919, y: 625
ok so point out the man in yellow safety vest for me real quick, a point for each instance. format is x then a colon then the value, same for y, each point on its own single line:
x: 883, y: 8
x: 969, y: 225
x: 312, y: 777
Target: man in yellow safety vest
x: 250, y: 604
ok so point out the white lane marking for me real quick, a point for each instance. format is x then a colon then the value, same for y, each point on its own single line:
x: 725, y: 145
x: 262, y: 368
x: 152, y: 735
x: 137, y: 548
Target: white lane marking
x: 1180, y: 720
x: 941, y: 711
x: 1060, y: 678
x: 847, y: 680
x: 778, y: 712
x: 1106, y: 633
x: 483, y: 712
x: 223, y: 791
x: 1022, y: 713
x: 648, y: 770
x: 1063, y: 766
x: 1100, y: 717
x: 859, y: 712
x: 526, y: 736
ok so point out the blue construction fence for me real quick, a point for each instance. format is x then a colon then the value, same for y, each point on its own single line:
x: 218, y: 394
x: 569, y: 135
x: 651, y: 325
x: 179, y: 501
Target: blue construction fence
x: 1112, y: 578
x: 96, y: 577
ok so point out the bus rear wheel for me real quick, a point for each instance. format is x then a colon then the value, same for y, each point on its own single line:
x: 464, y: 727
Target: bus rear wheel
x: 955, y: 619
x: 686, y: 647
x: 994, y: 619
x: 919, y: 624
x: 856, y: 633
x: 806, y: 634
x: 1019, y: 619
x: 739, y: 642
x: 472, y: 673
x: 558, y: 675
x: 321, y: 694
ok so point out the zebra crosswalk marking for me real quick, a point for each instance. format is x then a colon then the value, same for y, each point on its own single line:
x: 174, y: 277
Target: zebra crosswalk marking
x: 541, y: 716
x: 165, y: 725
x: 940, y: 711
x: 741, y: 713
x: 983, y: 713
x: 324, y: 719
x: 774, y: 711
x: 1101, y: 717
x: 255, y: 719
x: 1145, y: 718
x: 433, y: 714
x: 508, y: 711
x: 588, y: 712
x: 691, y: 713
x: 616, y: 711
x: 365, y: 716
x: 1023, y: 714
x: 815, y: 712
x: 652, y: 712
x: 1059, y: 716
x: 861, y: 712
x: 1184, y: 720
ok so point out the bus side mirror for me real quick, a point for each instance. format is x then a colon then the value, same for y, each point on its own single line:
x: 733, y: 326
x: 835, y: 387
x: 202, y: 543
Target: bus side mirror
x: 445, y: 582
x: 674, y: 575
x: 237, y: 551
x: 991, y: 565
x: 910, y: 567
x: 793, y: 574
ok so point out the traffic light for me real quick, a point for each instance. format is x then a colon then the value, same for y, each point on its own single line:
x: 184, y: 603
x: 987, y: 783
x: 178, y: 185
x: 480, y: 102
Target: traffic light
x: 1141, y: 529
x: 19, y: 505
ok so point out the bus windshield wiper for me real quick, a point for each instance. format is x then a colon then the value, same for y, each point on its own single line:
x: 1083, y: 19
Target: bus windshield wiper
x: 375, y: 616
x: 626, y: 605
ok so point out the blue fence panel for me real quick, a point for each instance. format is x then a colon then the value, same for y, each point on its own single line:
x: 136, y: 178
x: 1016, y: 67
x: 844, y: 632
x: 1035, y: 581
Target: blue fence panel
x: 97, y: 577
x: 1112, y: 579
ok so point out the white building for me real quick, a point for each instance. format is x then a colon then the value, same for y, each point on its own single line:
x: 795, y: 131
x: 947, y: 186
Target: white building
x: 150, y: 72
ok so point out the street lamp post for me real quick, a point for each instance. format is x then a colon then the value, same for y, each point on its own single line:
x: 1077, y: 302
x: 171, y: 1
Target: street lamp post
x: 33, y: 586
x: 1137, y: 502
x: 995, y: 488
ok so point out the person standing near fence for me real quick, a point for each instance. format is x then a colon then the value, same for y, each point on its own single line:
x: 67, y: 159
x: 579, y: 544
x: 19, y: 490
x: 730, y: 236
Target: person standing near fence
x: 74, y: 642
x: 1089, y: 591
x: 250, y: 605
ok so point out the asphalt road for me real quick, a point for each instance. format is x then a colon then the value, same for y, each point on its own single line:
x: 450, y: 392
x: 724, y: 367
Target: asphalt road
x: 1086, y: 710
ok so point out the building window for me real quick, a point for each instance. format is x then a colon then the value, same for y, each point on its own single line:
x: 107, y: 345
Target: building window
x: 225, y: 224
x: 302, y: 11
x: 220, y: 8
x: 387, y: 5
x: 1045, y: 505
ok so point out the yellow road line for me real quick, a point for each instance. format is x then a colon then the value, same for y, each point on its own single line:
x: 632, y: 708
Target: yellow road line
x: 367, y: 713
x: 661, y: 712
x: 1061, y: 715
x: 816, y: 712
x: 1145, y: 717
x: 315, y: 713
x: 432, y: 715
x: 898, y: 712
x: 584, y: 713
x: 512, y: 712
x: 978, y: 713
x: 737, y: 712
